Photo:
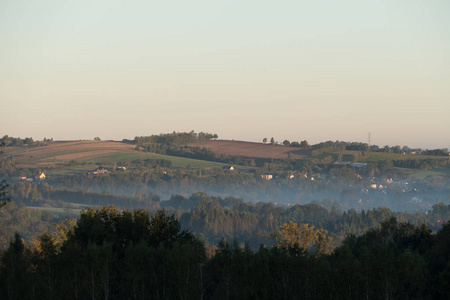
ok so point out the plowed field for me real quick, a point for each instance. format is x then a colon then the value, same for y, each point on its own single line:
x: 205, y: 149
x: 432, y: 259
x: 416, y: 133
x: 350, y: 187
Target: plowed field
x: 66, y: 150
x: 249, y: 149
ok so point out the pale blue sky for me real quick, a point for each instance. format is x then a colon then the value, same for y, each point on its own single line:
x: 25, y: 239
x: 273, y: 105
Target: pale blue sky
x: 314, y: 70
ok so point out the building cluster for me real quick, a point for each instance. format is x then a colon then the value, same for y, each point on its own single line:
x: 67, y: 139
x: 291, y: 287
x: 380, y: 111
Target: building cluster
x: 38, y: 176
x: 98, y: 172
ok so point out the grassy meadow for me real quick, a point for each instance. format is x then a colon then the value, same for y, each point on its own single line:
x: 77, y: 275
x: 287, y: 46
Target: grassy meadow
x: 177, y: 162
x: 444, y: 171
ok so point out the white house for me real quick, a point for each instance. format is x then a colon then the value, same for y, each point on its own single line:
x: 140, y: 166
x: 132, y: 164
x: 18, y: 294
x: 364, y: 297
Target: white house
x: 267, y: 176
x: 40, y: 176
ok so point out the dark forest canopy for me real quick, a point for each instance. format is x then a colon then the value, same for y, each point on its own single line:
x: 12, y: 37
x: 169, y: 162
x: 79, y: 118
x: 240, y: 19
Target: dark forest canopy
x: 113, y: 254
x: 213, y: 217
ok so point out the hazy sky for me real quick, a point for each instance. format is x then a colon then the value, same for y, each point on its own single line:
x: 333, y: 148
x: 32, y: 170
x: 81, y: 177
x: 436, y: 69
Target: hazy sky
x: 314, y: 70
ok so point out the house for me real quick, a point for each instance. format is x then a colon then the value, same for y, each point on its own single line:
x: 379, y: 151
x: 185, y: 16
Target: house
x: 40, y: 176
x: 267, y: 176
x: 228, y: 168
x: 98, y: 171
x: 22, y: 177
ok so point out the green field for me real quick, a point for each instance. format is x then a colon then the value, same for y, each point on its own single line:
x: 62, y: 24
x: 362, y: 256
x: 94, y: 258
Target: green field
x: 177, y: 162
x: 444, y: 171
x: 58, y: 210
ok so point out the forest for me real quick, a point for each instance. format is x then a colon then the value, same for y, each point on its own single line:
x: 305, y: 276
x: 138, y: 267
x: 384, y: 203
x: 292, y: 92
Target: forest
x: 213, y: 217
x: 112, y: 254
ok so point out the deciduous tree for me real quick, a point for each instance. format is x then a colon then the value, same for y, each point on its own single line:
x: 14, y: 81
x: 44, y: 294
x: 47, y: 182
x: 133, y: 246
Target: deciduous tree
x: 301, y: 238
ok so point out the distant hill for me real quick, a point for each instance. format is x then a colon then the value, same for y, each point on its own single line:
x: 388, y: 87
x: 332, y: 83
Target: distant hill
x: 56, y: 157
x: 67, y: 150
x: 251, y: 149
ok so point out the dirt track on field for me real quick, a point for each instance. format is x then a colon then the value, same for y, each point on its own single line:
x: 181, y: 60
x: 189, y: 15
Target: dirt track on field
x: 65, y: 150
x: 250, y: 149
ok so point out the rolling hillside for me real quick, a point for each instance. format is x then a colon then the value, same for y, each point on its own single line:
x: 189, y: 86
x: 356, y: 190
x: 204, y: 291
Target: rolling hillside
x: 70, y: 150
x: 56, y: 157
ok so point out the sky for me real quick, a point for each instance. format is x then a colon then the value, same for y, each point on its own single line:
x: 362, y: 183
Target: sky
x: 246, y: 70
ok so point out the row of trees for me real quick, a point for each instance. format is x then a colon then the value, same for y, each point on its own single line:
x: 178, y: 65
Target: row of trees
x: 330, y: 146
x: 8, y: 141
x: 113, y: 254
x: 302, y: 144
x: 175, y: 138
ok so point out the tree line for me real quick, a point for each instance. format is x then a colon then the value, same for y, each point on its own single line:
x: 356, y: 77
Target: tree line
x: 113, y: 254
x: 174, y: 138
x: 8, y: 141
